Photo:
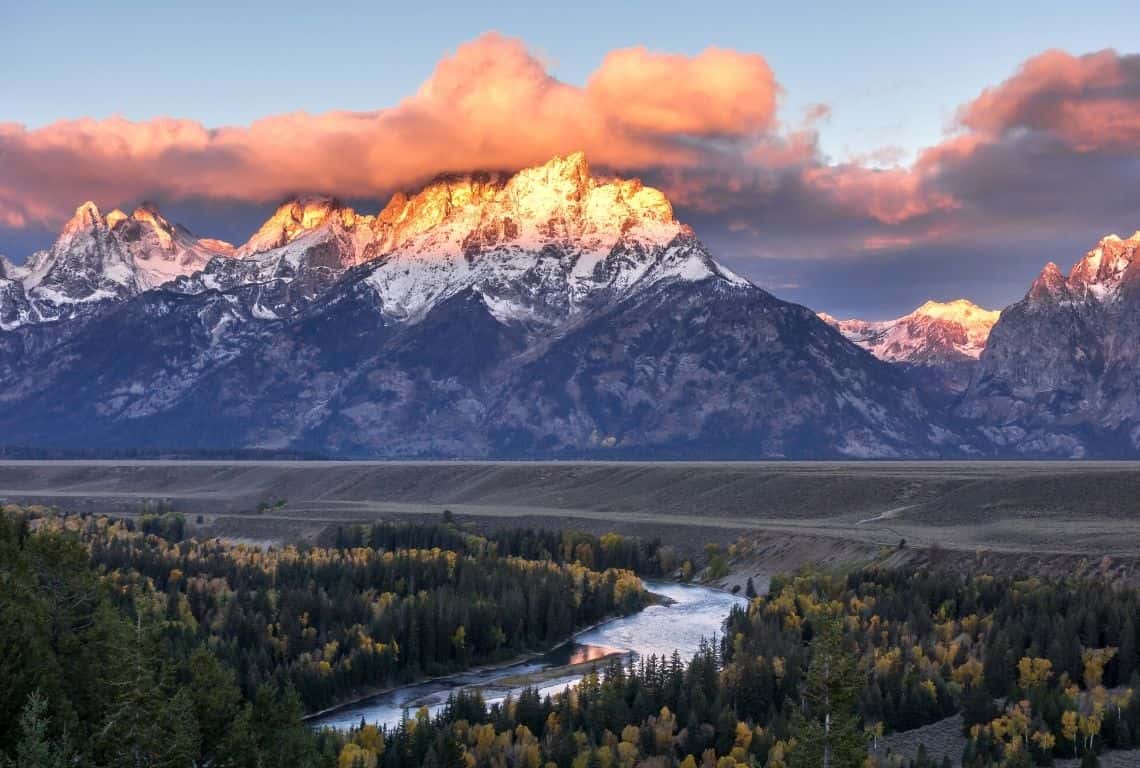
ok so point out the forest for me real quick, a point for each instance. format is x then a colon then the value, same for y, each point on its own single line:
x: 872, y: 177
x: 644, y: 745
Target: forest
x: 128, y: 644
x: 1039, y: 671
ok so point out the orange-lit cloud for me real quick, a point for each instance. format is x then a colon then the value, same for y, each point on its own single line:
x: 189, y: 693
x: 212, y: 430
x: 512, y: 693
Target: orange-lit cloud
x: 717, y: 93
x: 491, y: 104
x: 1091, y: 102
x: 889, y: 196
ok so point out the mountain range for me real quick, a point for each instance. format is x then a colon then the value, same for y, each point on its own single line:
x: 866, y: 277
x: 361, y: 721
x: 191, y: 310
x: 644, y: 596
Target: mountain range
x: 546, y: 313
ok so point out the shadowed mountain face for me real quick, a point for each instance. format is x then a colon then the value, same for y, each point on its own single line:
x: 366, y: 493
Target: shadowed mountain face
x: 544, y: 314
x: 683, y: 369
x: 1060, y: 375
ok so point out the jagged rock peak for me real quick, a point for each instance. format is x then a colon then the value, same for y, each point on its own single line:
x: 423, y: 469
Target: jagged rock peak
x: 1099, y: 275
x: 295, y: 217
x: 934, y: 332
x: 1102, y: 270
x: 115, y: 218
x: 86, y: 217
x: 1050, y: 283
x: 148, y: 216
x: 558, y: 200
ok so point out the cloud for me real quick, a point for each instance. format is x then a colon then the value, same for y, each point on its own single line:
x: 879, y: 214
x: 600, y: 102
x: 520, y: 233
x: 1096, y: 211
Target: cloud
x: 1051, y: 151
x: 716, y: 93
x: 491, y: 104
x: 1090, y: 102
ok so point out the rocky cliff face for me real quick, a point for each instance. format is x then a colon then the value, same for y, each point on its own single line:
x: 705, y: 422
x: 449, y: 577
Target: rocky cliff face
x: 1060, y: 372
x: 548, y: 313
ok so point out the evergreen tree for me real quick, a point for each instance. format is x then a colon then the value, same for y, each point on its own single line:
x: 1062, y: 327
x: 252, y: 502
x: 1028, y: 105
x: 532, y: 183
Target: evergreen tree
x: 181, y: 740
x: 216, y: 701
x: 36, y: 749
x: 826, y: 727
x: 131, y: 733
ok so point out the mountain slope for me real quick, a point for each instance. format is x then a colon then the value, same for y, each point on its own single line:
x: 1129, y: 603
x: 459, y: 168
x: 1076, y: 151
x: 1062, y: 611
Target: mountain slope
x: 705, y: 368
x: 1061, y: 369
x: 719, y: 369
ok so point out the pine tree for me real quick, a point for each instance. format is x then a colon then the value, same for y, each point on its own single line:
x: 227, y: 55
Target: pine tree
x: 826, y: 728
x: 131, y: 734
x: 35, y: 748
x: 1127, y: 655
x: 216, y: 700
x: 181, y: 739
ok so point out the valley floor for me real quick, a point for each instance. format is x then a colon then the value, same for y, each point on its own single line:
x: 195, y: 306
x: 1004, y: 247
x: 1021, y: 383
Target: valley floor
x: 1063, y: 515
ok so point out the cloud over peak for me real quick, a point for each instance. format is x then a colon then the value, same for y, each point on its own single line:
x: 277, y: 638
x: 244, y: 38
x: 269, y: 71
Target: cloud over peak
x: 1053, y: 148
x: 491, y: 104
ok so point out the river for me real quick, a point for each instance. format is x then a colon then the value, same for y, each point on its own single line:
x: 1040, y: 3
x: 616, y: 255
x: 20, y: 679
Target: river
x: 694, y: 612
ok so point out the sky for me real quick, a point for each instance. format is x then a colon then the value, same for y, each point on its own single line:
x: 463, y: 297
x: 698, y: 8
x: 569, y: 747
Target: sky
x: 858, y: 160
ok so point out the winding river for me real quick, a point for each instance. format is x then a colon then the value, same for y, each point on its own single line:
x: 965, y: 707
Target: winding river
x: 694, y: 612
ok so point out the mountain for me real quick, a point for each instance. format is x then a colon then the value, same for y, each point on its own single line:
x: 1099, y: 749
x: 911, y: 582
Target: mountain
x: 97, y: 260
x: 939, y: 343
x: 297, y: 254
x: 545, y: 244
x: 1060, y: 375
x: 546, y: 313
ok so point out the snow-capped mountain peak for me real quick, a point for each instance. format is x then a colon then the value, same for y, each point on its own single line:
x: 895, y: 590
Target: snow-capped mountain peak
x: 86, y: 263
x: 557, y: 200
x: 536, y: 245
x: 934, y: 333
x: 161, y: 250
x: 1098, y: 276
x: 1105, y: 268
x: 98, y: 258
x: 296, y: 217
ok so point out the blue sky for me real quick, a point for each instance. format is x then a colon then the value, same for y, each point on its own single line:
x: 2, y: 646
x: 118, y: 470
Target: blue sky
x: 892, y: 74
